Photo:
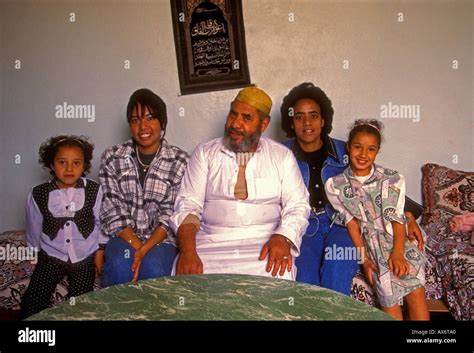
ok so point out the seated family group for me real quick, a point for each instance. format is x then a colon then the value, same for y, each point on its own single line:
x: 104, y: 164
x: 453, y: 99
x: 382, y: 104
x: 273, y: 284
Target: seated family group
x: 241, y: 203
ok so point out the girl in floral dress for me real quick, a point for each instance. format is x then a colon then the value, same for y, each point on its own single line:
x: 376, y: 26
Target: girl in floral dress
x: 370, y: 199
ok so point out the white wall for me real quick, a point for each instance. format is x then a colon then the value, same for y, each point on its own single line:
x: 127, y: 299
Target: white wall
x: 409, y: 62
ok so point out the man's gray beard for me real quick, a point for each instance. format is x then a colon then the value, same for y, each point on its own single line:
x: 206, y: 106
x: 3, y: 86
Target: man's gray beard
x: 247, y: 143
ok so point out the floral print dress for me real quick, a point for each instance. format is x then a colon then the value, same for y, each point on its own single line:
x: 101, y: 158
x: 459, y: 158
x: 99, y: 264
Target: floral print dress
x: 375, y: 201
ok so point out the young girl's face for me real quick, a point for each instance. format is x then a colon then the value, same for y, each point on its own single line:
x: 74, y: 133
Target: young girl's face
x: 68, y: 165
x: 362, y: 152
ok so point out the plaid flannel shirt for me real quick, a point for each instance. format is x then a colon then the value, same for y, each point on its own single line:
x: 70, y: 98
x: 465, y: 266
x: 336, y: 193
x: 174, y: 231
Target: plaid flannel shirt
x: 126, y: 203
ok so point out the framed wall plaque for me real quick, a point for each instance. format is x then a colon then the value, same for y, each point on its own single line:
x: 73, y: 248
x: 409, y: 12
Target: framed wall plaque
x: 210, y: 45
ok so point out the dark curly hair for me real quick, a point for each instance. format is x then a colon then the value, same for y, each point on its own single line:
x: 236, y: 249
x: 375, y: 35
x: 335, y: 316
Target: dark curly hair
x: 48, y: 150
x: 368, y: 126
x: 147, y: 98
x: 309, y: 91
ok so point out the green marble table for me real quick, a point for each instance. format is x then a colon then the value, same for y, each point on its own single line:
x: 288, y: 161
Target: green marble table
x: 213, y: 297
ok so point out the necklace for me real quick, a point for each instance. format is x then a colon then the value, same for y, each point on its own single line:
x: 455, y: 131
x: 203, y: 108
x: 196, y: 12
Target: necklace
x: 145, y: 166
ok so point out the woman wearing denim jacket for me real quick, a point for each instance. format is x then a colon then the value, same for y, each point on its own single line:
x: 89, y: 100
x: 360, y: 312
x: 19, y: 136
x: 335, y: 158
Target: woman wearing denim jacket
x: 327, y: 256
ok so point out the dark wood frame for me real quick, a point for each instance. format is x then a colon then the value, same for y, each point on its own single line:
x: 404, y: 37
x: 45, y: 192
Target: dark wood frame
x: 190, y: 82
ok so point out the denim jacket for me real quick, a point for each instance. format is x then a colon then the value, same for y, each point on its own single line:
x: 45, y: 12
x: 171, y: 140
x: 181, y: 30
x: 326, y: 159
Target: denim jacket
x: 334, y: 164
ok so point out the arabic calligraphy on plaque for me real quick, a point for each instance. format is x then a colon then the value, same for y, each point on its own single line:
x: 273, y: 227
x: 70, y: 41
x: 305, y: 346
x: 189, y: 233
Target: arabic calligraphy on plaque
x: 210, y: 42
x: 207, y: 28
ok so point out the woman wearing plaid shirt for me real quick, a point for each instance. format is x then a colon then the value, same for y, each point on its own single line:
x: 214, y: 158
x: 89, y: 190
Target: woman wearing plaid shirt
x: 140, y: 179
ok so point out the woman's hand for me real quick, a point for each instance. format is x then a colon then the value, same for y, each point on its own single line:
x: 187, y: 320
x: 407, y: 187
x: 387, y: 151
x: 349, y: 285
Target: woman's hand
x: 137, y: 261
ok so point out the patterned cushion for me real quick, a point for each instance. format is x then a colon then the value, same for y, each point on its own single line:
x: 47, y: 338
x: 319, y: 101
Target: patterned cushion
x: 451, y: 276
x: 446, y: 193
x: 362, y: 291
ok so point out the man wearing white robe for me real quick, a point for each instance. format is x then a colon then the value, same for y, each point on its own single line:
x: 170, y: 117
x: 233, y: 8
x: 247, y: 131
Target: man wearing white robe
x: 242, y: 199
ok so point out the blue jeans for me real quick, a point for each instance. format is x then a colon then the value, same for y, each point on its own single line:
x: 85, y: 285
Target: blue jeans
x: 317, y: 263
x: 119, y: 256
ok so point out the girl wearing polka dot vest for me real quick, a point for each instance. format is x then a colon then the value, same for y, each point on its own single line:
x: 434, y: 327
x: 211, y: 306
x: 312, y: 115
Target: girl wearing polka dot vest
x: 370, y: 199
x: 62, y: 217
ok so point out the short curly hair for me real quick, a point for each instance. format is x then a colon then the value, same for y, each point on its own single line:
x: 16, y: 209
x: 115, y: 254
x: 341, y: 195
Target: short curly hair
x: 48, y: 150
x: 306, y: 90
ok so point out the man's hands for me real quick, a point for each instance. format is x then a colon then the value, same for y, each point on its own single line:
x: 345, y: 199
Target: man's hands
x: 277, y: 249
x: 279, y: 256
x: 189, y: 263
x: 414, y: 231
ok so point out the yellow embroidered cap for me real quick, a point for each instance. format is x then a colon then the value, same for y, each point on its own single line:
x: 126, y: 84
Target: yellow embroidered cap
x: 255, y: 97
